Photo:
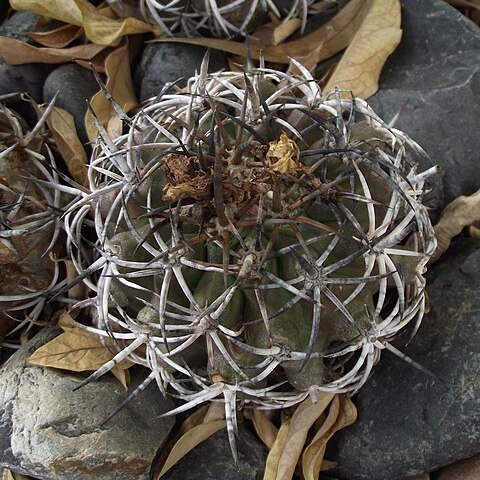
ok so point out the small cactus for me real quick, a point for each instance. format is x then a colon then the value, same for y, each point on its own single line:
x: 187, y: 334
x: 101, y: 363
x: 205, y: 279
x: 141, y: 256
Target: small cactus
x: 220, y: 18
x: 30, y: 219
x: 264, y: 241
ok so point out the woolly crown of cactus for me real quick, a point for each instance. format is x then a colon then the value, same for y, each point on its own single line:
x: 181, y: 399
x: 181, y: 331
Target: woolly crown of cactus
x: 220, y: 18
x: 30, y: 223
x: 259, y: 240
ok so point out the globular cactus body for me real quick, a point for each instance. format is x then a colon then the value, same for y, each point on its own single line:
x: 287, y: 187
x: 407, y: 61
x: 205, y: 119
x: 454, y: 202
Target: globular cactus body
x: 220, y: 18
x: 262, y: 240
x: 29, y: 219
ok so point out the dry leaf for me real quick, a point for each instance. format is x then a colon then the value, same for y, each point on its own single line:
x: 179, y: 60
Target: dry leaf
x: 474, y: 232
x: 7, y: 474
x: 342, y: 413
x: 288, y: 446
x: 283, y: 156
x: 99, y: 27
x: 333, y: 36
x: 62, y: 126
x: 66, y: 322
x: 76, y: 350
x: 457, y: 215
x: 119, y: 85
x: 266, y: 430
x: 15, y: 52
x: 196, y: 429
x: 58, y: 38
x: 378, y: 36
x: 464, y: 3
x: 270, y: 34
x: 122, y: 375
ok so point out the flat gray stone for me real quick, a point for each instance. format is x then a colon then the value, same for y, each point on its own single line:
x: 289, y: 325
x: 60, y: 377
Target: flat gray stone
x: 75, y: 86
x: 433, y: 80
x: 52, y: 433
x: 408, y: 422
x: 163, y: 63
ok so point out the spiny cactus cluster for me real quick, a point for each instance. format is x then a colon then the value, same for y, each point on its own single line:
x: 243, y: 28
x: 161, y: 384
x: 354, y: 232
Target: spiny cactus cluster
x: 30, y: 220
x: 254, y: 239
x: 220, y: 18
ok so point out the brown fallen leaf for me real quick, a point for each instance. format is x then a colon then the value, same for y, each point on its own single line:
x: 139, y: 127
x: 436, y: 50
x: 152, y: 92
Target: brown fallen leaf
x: 378, y: 36
x: 334, y: 36
x: 342, y: 413
x: 76, y: 350
x: 462, y: 212
x: 196, y: 429
x: 266, y: 430
x: 58, y: 38
x: 287, y: 449
x: 271, y: 34
x: 122, y: 375
x: 119, y: 85
x: 15, y: 52
x: 7, y: 474
x: 62, y: 126
x: 99, y: 27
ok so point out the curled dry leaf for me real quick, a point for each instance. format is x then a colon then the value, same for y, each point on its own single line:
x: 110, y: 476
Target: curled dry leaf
x: 76, y: 350
x: 120, y: 86
x: 62, y: 126
x: 58, y: 38
x: 378, y: 36
x: 291, y: 438
x: 342, y: 413
x: 334, y: 36
x: 7, y: 474
x: 196, y: 429
x: 461, y: 213
x: 15, y: 52
x: 99, y: 27
x: 271, y: 34
x: 283, y: 156
x: 266, y: 430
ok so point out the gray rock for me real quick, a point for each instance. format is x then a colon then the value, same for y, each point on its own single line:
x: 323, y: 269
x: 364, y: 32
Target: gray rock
x: 75, y: 86
x: 162, y: 63
x: 27, y: 78
x: 433, y: 80
x: 212, y: 459
x: 50, y: 432
x: 408, y: 422
x: 19, y: 25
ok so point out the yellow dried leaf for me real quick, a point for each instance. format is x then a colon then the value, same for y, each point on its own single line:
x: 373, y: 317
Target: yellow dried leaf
x: 189, y: 440
x: 119, y: 85
x: 287, y: 449
x: 66, y: 322
x: 378, y: 36
x: 122, y: 375
x: 15, y: 52
x: 342, y: 413
x: 334, y: 36
x: 275, y: 454
x: 62, y: 126
x: 99, y: 27
x: 7, y: 474
x: 271, y: 34
x: 283, y: 156
x: 461, y: 213
x: 59, y: 37
x: 76, y: 350
x: 266, y: 430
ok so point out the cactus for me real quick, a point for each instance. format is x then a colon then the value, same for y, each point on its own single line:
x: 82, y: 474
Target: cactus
x: 30, y: 220
x: 220, y: 18
x: 261, y: 240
